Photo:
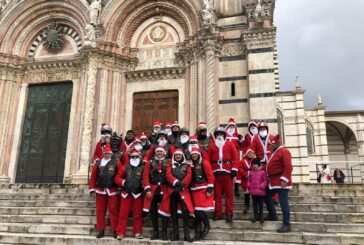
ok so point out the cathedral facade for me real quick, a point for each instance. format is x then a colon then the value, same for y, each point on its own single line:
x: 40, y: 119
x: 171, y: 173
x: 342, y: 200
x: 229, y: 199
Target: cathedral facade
x: 68, y: 66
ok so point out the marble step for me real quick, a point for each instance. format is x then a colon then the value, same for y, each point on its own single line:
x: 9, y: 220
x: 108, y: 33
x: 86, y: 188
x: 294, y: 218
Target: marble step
x: 215, y: 237
x: 221, y: 224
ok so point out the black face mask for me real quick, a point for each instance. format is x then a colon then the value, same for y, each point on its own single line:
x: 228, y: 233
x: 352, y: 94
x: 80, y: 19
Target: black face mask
x: 202, y: 136
x: 175, y: 133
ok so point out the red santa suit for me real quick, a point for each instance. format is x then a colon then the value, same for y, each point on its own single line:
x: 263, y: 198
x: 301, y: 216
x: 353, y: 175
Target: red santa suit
x: 106, y: 130
x: 223, y: 160
x: 244, y: 169
x: 129, y: 177
x: 248, y: 139
x: 107, y: 194
x: 202, y: 181
x: 261, y: 148
x: 279, y: 167
x: 174, y: 169
x: 233, y: 136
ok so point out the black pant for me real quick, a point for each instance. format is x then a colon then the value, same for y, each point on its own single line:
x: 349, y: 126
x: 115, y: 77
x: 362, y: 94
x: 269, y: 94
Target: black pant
x: 246, y: 200
x: 154, y: 206
x: 258, y: 206
x: 175, y: 200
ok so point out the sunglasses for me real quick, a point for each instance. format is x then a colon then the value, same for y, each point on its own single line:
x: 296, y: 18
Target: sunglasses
x: 134, y: 157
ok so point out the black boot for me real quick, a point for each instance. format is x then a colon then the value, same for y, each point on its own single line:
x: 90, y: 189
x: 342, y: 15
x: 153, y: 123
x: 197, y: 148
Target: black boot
x: 114, y: 235
x: 198, y: 230
x: 100, y: 234
x: 261, y: 219
x: 229, y: 218
x: 155, y: 234
x: 284, y: 229
x: 175, y: 232
x: 206, y: 228
x: 236, y: 189
x: 186, y: 227
x: 164, y: 229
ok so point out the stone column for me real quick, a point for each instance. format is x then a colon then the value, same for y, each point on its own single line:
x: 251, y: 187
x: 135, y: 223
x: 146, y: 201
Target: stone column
x: 210, y: 90
x: 88, y: 118
x: 360, y: 141
x: 193, y: 96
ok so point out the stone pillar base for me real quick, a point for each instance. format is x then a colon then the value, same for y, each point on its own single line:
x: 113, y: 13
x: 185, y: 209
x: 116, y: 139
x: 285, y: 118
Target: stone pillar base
x: 76, y: 179
x: 4, y: 179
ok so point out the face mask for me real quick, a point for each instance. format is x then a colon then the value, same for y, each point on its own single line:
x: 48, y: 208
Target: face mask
x: 169, y: 131
x: 144, y: 143
x: 231, y: 131
x: 156, y: 130
x: 220, y: 141
x: 184, y: 139
x: 134, y: 162
x: 254, y: 130
x: 191, y: 146
x: 138, y: 147
x: 263, y: 133
x: 162, y: 142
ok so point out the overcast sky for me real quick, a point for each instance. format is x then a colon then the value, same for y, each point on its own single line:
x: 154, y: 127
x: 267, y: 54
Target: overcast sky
x: 322, y: 41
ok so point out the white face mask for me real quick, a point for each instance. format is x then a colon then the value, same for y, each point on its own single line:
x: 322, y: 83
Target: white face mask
x: 191, y: 146
x: 254, y: 130
x: 220, y: 141
x: 134, y: 162
x: 138, y: 147
x: 169, y: 131
x: 156, y: 130
x: 231, y: 131
x: 263, y: 133
x: 162, y: 142
x: 184, y: 139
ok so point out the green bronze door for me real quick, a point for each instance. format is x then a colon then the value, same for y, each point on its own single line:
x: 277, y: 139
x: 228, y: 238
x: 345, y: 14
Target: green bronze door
x: 44, y: 137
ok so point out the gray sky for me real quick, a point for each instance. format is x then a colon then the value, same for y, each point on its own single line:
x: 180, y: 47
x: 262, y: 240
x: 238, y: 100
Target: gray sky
x: 322, y: 41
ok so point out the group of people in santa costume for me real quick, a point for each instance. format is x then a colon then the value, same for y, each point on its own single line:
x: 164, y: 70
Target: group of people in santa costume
x: 171, y: 174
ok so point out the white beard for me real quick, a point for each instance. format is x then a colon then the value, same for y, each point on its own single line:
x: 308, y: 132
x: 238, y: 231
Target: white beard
x: 134, y: 162
x: 220, y: 142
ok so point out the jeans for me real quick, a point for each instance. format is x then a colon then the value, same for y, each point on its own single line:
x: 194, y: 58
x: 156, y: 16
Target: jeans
x: 283, y: 201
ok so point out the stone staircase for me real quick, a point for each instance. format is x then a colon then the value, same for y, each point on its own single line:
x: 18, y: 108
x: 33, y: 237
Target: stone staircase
x: 65, y: 214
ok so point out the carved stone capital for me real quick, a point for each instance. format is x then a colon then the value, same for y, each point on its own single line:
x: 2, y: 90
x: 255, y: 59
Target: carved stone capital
x: 157, y: 74
x: 259, y: 38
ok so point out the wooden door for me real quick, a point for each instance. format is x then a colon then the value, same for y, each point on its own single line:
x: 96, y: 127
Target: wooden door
x: 44, y: 137
x: 149, y: 107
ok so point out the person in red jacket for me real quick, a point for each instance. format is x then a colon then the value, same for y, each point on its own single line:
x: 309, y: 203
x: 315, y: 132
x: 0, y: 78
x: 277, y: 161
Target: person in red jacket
x: 224, y: 159
x: 128, y: 140
x: 162, y: 140
x: 102, y: 183
x: 106, y: 132
x: 248, y: 139
x: 154, y: 182
x: 202, y: 188
x: 279, y: 171
x: 244, y: 169
x: 129, y: 177
x: 179, y: 176
x: 260, y: 143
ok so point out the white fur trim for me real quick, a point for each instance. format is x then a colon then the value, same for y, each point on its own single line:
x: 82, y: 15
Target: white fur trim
x: 279, y: 187
x: 234, y: 169
x: 175, y: 181
x: 146, y: 210
x: 284, y: 179
x: 124, y: 195
x: 92, y: 190
x: 221, y: 170
x: 136, y: 195
x: 148, y: 186
x: 101, y: 192
x: 210, y: 185
x: 198, y: 188
x: 164, y: 213
x: 211, y: 209
x: 122, y: 183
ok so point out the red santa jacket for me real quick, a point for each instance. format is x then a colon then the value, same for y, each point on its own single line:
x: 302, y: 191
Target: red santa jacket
x: 97, y: 152
x: 209, y: 176
x: 279, y: 168
x: 234, y: 139
x: 225, y: 160
x: 243, y: 173
x: 93, y: 179
x: 121, y: 178
x: 245, y: 145
x: 262, y: 150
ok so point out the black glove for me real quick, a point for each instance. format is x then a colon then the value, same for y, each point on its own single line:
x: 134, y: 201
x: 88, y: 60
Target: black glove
x: 180, y: 187
x: 210, y: 189
x: 177, y: 184
x: 240, y: 137
x: 233, y: 173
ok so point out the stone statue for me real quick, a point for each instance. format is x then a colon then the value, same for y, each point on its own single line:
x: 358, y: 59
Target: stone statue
x: 208, y: 12
x: 258, y: 9
x: 90, y: 35
x: 95, y: 11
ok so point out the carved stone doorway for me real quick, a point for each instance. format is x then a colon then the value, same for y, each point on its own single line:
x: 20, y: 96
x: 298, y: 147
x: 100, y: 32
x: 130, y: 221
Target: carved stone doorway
x: 149, y: 107
x: 44, y: 136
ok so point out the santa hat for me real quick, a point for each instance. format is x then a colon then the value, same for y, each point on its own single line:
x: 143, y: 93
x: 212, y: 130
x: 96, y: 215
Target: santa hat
x: 253, y: 123
x: 263, y: 125
x: 249, y: 149
x: 143, y: 136
x: 160, y: 148
x: 193, y: 138
x: 179, y: 151
x: 202, y: 125
x: 175, y: 124
x: 135, y: 153
x: 157, y: 124
x: 106, y: 127
x: 107, y: 149
x: 196, y: 150
x: 168, y: 124
x: 137, y: 139
x: 231, y: 122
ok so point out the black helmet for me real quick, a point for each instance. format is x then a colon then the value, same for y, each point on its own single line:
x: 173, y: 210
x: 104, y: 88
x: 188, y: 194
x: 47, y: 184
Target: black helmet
x: 184, y: 130
x: 162, y: 132
x: 220, y: 130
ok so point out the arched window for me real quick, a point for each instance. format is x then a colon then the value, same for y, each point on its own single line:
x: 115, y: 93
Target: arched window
x: 280, y: 126
x: 310, y: 137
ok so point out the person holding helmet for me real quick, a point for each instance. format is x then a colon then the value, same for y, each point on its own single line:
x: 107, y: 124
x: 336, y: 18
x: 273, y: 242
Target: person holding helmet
x: 202, y: 188
x: 177, y: 194
x: 224, y: 159
x: 154, y: 182
x: 162, y: 140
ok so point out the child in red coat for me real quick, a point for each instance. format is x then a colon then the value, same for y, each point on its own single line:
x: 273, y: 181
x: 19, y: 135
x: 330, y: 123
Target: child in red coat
x: 257, y: 183
x: 244, y: 169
